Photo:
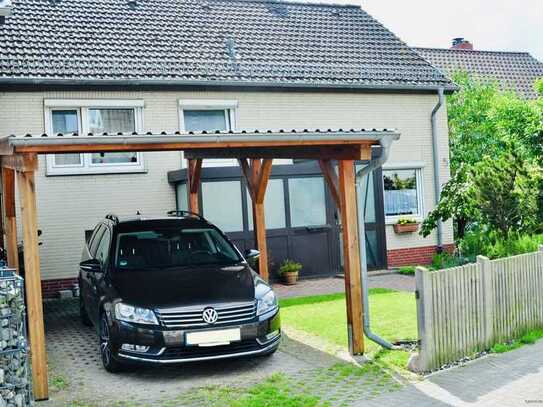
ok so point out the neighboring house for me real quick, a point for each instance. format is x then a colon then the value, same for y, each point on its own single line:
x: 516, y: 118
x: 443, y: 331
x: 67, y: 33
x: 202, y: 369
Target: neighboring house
x: 163, y: 65
x: 515, y: 71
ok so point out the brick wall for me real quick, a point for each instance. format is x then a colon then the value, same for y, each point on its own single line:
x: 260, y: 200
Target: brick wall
x: 50, y: 288
x: 414, y: 256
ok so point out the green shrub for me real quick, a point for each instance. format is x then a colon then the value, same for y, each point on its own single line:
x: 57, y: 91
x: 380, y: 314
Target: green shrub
x: 487, y: 243
x: 446, y: 260
x: 407, y: 270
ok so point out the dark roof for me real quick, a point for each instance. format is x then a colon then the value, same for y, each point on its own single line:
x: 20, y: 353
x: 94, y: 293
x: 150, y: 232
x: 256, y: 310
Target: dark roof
x: 225, y: 42
x: 515, y: 71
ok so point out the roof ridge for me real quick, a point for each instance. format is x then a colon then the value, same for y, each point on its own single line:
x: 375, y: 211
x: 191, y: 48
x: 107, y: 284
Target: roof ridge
x: 475, y: 51
x: 297, y: 3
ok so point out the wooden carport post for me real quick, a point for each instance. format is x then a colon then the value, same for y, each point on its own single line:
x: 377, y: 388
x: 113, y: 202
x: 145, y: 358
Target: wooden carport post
x: 194, y: 168
x: 26, y: 164
x: 10, y: 222
x: 343, y: 192
x: 257, y: 175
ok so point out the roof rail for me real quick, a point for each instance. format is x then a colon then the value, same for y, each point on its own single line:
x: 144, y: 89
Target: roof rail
x: 180, y: 214
x: 112, y: 217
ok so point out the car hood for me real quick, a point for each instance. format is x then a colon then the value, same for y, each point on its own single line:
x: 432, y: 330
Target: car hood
x: 185, y: 286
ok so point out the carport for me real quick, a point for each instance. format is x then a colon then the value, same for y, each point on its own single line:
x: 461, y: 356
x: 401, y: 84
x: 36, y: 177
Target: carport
x: 255, y: 152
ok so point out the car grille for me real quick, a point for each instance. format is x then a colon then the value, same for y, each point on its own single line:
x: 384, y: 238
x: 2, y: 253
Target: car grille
x: 198, y: 352
x: 187, y: 317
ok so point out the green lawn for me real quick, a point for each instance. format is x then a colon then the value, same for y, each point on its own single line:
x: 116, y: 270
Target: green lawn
x: 393, y: 316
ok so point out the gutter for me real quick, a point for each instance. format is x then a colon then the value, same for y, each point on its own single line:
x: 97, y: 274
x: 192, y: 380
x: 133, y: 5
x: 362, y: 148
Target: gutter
x: 435, y: 156
x: 375, y: 163
x: 225, y: 83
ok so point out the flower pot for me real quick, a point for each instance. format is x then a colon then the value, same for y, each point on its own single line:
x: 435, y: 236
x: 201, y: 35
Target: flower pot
x: 406, y: 228
x: 290, y: 278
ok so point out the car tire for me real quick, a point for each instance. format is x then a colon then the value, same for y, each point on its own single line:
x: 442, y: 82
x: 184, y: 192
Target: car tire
x: 83, y: 315
x: 106, y: 353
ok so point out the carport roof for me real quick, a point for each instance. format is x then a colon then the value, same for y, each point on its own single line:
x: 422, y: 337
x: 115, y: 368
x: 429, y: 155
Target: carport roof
x: 346, y: 144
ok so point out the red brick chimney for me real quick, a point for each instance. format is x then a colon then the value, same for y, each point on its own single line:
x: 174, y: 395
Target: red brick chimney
x: 461, y: 43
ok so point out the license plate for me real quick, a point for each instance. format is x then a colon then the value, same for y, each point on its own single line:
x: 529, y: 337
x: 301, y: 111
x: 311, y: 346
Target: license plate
x: 213, y: 338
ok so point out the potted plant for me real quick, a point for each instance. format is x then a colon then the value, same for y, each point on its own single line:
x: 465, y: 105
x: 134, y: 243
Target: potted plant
x: 406, y: 226
x: 289, y: 271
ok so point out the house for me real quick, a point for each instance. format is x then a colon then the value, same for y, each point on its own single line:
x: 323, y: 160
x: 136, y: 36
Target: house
x: 514, y: 71
x: 108, y: 66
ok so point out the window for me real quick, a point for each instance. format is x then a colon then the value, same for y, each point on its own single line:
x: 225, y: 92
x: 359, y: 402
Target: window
x: 103, y: 248
x: 307, y: 202
x: 173, y: 247
x: 274, y: 202
x: 97, y: 117
x: 222, y: 204
x: 402, y: 193
x: 208, y: 115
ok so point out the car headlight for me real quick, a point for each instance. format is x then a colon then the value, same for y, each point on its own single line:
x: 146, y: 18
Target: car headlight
x: 267, y: 303
x: 129, y: 313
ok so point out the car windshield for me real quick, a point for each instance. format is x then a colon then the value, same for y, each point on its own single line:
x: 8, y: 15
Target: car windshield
x: 173, y: 247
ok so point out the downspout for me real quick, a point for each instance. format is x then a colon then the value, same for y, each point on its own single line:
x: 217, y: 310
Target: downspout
x: 435, y: 156
x: 360, y: 175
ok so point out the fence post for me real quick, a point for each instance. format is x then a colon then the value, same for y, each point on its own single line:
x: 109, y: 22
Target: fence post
x: 541, y: 247
x: 485, y: 267
x: 423, y: 361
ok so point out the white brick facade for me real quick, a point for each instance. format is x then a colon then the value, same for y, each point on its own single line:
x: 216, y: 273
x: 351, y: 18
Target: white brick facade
x: 67, y: 205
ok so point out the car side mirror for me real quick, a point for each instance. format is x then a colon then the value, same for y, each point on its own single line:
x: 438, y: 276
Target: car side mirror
x: 91, y: 266
x: 252, y: 254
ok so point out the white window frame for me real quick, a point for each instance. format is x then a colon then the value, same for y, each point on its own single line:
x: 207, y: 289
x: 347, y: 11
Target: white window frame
x: 418, y: 167
x: 230, y: 107
x: 82, y: 107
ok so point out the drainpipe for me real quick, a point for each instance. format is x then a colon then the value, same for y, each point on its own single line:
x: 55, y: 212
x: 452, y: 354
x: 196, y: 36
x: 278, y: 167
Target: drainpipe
x: 435, y: 156
x: 360, y: 175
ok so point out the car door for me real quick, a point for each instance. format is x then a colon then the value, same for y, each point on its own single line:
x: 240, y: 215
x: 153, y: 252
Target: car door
x: 102, y: 255
x: 89, y: 252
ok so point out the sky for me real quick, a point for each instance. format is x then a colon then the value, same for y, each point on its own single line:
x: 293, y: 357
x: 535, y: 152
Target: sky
x: 512, y: 25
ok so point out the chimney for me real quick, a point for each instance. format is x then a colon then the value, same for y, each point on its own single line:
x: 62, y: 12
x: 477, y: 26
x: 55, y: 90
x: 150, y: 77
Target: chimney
x: 461, y: 43
x: 5, y: 10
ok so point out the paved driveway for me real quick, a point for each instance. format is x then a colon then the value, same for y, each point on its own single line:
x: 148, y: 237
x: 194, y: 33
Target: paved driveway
x: 73, y: 359
x: 509, y: 380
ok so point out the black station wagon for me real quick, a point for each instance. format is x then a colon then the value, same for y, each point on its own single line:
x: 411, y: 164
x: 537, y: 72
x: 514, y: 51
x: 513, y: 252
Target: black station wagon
x: 173, y: 289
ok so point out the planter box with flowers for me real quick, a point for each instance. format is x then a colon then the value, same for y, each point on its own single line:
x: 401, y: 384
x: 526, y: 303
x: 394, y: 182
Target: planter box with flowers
x: 404, y: 226
x: 289, y: 271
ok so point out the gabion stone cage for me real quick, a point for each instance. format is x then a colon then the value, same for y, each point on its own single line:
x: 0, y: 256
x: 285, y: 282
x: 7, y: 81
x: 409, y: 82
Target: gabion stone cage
x: 15, y: 385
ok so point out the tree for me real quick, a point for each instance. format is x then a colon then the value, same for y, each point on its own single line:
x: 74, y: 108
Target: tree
x: 494, y: 135
x: 506, y: 193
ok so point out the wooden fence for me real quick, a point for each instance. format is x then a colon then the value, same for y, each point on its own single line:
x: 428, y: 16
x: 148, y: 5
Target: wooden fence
x: 464, y: 310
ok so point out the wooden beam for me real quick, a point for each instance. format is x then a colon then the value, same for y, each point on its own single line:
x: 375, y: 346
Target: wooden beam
x: 337, y: 152
x: 257, y: 174
x: 263, y: 178
x: 10, y: 222
x: 21, y: 162
x: 25, y: 181
x: 331, y: 180
x: 129, y: 143
x: 351, y: 255
x: 194, y: 167
x: 247, y: 172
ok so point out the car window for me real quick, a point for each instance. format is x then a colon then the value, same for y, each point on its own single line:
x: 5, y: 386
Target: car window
x: 95, y: 239
x: 103, y: 248
x: 173, y: 247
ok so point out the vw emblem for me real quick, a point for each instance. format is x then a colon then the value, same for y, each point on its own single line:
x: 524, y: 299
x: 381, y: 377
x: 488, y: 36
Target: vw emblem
x: 210, y: 315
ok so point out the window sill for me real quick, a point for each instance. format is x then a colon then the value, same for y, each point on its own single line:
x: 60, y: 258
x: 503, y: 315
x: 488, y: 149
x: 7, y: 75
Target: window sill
x: 94, y: 171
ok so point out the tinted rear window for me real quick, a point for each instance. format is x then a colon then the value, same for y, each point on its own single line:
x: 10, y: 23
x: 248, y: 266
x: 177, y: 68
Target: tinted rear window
x: 173, y: 247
